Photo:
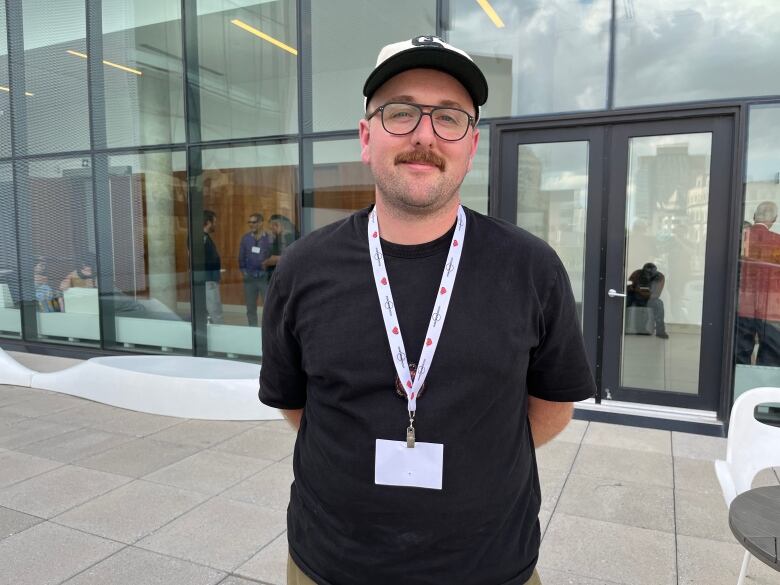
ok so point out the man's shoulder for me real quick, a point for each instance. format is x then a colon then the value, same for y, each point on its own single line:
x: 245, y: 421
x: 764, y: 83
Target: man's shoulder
x: 323, y: 242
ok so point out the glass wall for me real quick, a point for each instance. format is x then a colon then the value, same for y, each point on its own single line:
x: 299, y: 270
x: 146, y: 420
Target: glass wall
x: 538, y: 57
x: 686, y: 50
x: 55, y: 77
x: 10, y: 320
x: 248, y: 60
x: 149, y: 261
x: 142, y: 72
x: 58, y: 269
x: 346, y: 37
x: 249, y: 201
x: 5, y: 90
x: 757, y: 341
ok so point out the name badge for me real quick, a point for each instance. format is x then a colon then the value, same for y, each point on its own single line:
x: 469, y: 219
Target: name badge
x: 255, y: 249
x: 397, y: 464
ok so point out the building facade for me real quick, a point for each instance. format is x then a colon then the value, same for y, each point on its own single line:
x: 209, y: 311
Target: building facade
x: 138, y: 139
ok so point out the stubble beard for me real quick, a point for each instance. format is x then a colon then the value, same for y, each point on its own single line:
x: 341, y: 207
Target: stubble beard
x: 403, y: 197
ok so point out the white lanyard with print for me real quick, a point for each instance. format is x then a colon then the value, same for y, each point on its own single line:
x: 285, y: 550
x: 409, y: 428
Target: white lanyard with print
x: 412, y: 385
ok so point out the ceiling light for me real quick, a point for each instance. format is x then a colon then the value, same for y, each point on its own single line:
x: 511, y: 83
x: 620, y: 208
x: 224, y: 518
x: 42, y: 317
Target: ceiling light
x: 109, y: 63
x: 262, y: 35
x: 491, y: 13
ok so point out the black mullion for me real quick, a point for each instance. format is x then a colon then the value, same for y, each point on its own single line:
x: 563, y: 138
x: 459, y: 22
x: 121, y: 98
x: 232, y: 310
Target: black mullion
x: 305, y: 105
x: 611, y: 58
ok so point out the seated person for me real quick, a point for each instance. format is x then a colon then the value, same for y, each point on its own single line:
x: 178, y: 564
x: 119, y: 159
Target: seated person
x: 82, y: 277
x: 45, y: 296
x: 644, y: 290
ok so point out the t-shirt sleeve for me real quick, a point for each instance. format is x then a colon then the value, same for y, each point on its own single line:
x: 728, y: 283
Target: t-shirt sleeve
x: 282, y: 378
x: 558, y: 369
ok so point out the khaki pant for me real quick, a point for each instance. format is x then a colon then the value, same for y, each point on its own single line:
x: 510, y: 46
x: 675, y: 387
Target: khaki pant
x: 297, y: 577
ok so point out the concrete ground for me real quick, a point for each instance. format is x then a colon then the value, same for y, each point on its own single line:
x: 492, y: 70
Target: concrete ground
x: 96, y: 495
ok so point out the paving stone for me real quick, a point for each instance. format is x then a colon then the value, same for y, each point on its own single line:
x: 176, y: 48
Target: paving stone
x: 13, y: 394
x: 75, y: 445
x: 625, y: 437
x: 48, y: 554
x: 209, y: 472
x: 557, y: 455
x: 13, y: 522
x: 58, y: 490
x: 281, y: 426
x: 573, y: 432
x: 553, y: 577
x: 137, y: 424
x: 239, y: 581
x: 17, y: 467
x: 544, y: 521
x: 36, y: 406
x: 696, y: 475
x: 269, y: 565
x: 710, y: 562
x: 17, y: 434
x: 7, y: 418
x: 551, y: 483
x: 203, y: 433
x: 220, y: 533
x: 260, y: 443
x: 131, y: 511
x: 632, y: 504
x: 765, y: 478
x: 138, y: 458
x: 703, y: 515
x: 698, y: 446
x: 132, y: 566
x: 86, y: 414
x: 624, y: 465
x: 270, y: 488
x: 608, y: 551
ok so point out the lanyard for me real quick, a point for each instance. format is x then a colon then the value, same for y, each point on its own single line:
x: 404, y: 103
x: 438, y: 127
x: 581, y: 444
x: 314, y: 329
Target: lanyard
x: 411, y: 385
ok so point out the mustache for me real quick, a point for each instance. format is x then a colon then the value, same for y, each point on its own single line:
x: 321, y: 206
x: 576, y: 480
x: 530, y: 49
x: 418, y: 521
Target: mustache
x: 421, y: 156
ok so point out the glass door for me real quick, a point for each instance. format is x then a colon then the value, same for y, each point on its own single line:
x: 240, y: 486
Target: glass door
x: 668, y: 189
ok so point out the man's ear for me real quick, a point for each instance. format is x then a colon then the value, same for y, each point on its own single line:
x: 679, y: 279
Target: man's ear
x: 474, y: 144
x: 364, y: 132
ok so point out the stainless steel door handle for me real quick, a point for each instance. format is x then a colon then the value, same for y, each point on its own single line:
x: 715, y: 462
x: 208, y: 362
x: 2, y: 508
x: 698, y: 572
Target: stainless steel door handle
x: 612, y: 293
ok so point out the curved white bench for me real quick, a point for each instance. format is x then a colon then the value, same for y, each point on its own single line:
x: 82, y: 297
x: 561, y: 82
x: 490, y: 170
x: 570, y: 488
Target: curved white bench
x: 180, y: 386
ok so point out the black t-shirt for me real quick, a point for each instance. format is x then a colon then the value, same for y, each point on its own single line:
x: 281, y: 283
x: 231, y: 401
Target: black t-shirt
x: 511, y: 330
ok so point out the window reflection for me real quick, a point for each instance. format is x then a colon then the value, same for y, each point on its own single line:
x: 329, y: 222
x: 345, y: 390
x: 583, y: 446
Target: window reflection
x: 5, y: 90
x: 142, y: 73
x: 673, y: 50
x: 248, y: 68
x: 249, y: 219
x: 548, y: 57
x: 10, y: 321
x: 338, y: 69
x: 757, y: 342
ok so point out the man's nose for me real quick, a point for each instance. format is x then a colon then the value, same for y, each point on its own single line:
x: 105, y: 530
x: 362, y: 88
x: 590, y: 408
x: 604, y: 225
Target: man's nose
x: 424, y: 133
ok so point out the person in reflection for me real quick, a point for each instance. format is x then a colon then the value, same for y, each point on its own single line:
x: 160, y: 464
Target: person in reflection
x: 45, y: 295
x: 451, y: 496
x: 758, y: 312
x: 284, y: 234
x: 254, y: 250
x: 212, y: 267
x: 644, y: 290
x: 82, y: 277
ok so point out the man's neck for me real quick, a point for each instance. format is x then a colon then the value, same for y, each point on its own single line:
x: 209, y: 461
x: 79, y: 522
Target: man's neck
x: 408, y: 229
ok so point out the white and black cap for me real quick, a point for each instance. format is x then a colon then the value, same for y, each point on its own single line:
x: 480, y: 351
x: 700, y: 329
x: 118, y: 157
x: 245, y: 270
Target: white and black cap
x: 428, y: 52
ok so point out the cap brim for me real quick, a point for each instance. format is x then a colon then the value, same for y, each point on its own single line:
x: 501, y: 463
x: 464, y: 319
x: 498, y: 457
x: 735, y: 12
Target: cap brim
x: 460, y: 67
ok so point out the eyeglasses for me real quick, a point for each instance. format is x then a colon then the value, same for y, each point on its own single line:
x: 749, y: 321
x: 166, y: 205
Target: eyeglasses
x: 251, y: 222
x: 450, y: 124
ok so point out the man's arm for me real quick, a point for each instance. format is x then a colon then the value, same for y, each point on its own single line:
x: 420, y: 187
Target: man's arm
x: 547, y: 418
x: 293, y: 417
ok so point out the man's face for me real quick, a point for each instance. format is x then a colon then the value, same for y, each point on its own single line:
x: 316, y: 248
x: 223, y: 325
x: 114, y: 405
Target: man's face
x: 418, y: 186
x: 255, y: 224
x: 211, y: 226
x: 276, y: 228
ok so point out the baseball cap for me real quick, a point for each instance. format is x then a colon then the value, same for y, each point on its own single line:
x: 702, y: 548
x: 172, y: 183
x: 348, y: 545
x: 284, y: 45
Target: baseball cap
x: 428, y: 52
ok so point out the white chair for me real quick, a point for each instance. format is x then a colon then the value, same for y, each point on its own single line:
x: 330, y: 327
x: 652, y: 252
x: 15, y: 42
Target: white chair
x: 752, y: 446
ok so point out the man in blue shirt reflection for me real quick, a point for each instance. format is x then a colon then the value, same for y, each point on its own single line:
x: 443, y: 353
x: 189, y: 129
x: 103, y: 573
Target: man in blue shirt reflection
x: 254, y: 250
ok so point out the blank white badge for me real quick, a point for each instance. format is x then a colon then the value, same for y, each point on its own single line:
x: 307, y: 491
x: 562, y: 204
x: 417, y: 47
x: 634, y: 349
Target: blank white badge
x: 255, y: 249
x: 420, y: 466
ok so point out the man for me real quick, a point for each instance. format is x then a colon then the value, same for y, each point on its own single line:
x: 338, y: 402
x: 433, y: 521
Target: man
x: 758, y: 313
x: 212, y: 266
x: 644, y: 290
x: 426, y: 477
x: 254, y: 250
x: 284, y: 234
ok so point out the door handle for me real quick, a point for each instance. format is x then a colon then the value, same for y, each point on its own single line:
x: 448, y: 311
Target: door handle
x: 612, y: 293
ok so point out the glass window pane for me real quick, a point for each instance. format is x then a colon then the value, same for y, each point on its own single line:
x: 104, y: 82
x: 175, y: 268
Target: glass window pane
x: 242, y: 185
x: 757, y: 344
x: 667, y: 202
x: 149, y: 259
x: 56, y: 214
x: 248, y: 75
x: 688, y: 50
x: 5, y: 89
x: 55, y: 68
x: 346, y: 37
x: 552, y: 200
x: 538, y: 57
x: 342, y: 184
x: 142, y: 73
x: 474, y: 190
x: 10, y: 321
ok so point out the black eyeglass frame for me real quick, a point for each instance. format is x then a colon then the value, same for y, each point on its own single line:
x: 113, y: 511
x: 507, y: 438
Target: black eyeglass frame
x: 472, y: 120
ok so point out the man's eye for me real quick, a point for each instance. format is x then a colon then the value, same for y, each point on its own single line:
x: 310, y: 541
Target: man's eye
x: 400, y: 115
